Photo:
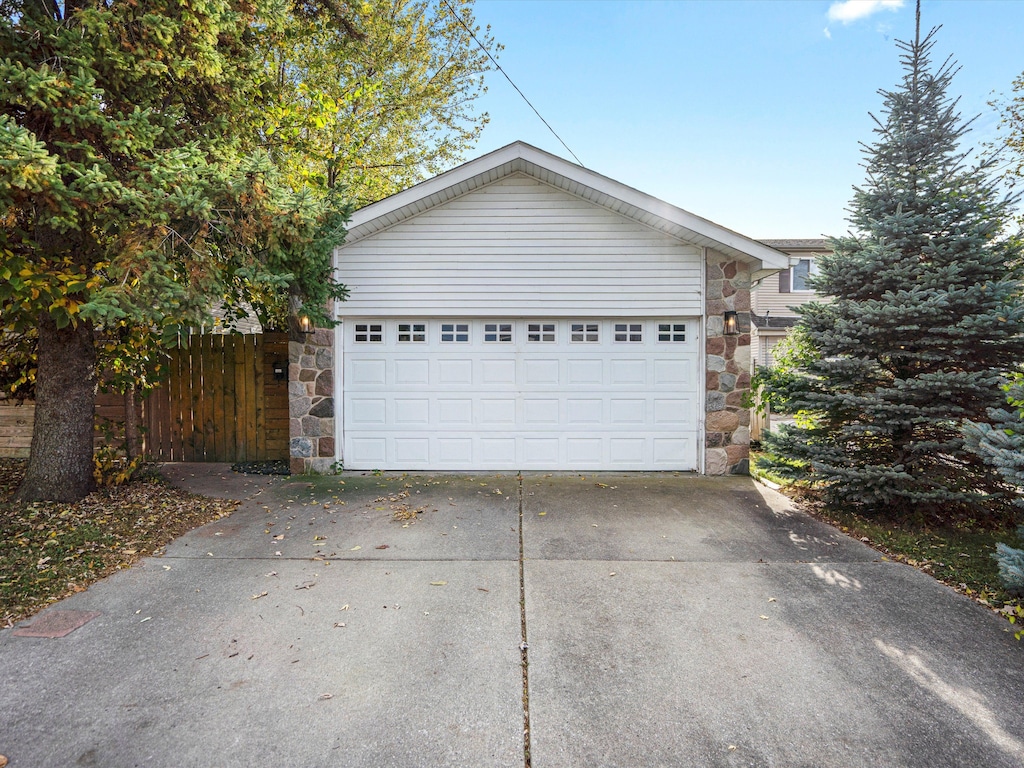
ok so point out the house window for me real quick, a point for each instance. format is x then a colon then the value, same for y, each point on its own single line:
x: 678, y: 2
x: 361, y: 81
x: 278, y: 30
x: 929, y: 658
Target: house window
x: 584, y: 332
x: 801, y: 271
x: 540, y: 332
x: 369, y: 332
x: 631, y: 332
x: 498, y: 332
x: 671, y: 331
x: 458, y: 332
x: 412, y: 332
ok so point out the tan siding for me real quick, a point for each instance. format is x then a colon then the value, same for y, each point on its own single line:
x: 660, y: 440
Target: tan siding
x: 519, y: 247
x: 766, y: 297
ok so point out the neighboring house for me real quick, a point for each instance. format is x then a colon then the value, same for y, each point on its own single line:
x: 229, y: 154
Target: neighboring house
x: 523, y: 312
x: 773, y: 297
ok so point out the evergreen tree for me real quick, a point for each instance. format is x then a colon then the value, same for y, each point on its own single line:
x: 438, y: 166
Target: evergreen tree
x: 1001, y: 444
x: 925, y: 319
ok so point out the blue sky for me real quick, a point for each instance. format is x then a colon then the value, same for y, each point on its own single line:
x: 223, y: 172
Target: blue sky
x: 748, y: 113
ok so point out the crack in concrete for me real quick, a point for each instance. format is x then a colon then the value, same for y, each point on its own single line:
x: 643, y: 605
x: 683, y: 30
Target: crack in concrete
x: 524, y: 646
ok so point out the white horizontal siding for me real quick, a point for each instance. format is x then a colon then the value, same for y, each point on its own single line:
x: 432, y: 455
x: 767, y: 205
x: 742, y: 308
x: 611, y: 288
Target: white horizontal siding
x: 519, y: 247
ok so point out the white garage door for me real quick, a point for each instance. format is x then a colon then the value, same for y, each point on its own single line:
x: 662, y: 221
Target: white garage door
x: 521, y: 394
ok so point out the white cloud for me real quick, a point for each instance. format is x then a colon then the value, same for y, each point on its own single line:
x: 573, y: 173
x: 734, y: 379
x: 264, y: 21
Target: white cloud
x: 828, y: 33
x: 847, y: 11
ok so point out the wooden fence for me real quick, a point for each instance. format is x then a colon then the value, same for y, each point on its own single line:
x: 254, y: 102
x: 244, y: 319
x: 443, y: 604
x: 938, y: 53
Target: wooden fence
x: 221, y: 401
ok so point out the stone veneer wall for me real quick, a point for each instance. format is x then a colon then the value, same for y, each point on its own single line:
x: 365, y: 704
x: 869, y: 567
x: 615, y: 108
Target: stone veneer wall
x: 311, y: 401
x: 727, y: 422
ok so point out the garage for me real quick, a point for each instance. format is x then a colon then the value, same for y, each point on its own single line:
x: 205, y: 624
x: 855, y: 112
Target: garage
x: 506, y: 394
x: 523, y: 312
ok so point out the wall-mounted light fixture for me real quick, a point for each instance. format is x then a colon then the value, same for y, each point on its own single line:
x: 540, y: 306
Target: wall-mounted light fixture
x: 730, y: 323
x: 305, y: 325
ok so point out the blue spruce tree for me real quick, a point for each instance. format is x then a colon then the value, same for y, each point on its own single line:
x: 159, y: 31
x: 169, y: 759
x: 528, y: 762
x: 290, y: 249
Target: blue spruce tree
x: 923, y: 321
x: 1001, y: 444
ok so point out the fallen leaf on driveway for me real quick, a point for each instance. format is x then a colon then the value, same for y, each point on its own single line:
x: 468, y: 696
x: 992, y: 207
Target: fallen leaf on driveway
x: 762, y: 616
x: 382, y: 546
x: 261, y: 594
x: 541, y: 514
x: 326, y: 696
x: 355, y: 548
x: 339, y: 624
x: 279, y: 537
x: 344, y: 607
x: 771, y: 600
x: 438, y: 583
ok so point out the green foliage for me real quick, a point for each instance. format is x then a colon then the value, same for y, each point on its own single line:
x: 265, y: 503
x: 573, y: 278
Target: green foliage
x: 925, y: 318
x: 790, y: 356
x: 113, y: 467
x: 1001, y: 445
x: 377, y: 99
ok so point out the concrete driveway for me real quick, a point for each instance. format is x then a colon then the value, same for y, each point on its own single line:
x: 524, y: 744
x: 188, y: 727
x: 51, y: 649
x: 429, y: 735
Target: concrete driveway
x: 492, y: 620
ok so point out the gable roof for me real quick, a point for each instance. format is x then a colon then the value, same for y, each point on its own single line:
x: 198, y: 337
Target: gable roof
x: 520, y: 157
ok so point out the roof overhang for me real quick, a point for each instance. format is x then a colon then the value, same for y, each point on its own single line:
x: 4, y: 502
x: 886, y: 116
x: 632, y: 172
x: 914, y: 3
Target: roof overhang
x: 521, y: 158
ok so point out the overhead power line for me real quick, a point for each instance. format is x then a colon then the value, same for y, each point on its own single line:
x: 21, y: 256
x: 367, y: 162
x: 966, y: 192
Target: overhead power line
x: 498, y: 67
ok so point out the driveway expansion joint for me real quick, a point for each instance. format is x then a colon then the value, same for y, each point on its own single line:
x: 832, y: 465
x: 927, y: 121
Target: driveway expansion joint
x: 524, y: 645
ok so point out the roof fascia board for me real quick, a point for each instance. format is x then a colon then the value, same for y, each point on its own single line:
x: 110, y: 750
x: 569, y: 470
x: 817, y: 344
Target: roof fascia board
x: 705, y: 232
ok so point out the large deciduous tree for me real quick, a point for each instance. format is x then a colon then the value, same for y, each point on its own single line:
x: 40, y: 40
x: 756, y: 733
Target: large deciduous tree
x: 925, y: 320
x: 130, y: 192
x: 380, y: 100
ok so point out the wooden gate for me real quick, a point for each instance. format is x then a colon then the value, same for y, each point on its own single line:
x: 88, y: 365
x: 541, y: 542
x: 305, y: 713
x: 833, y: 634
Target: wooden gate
x: 221, y: 401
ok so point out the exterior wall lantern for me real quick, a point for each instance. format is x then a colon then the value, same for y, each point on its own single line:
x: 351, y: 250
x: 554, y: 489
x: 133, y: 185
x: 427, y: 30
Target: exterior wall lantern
x: 306, y: 325
x: 730, y: 323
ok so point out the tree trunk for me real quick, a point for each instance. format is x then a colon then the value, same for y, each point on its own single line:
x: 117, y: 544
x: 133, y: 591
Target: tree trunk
x: 60, y: 465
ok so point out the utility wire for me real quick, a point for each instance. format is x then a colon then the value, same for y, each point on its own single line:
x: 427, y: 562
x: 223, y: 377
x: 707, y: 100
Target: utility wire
x: 498, y: 67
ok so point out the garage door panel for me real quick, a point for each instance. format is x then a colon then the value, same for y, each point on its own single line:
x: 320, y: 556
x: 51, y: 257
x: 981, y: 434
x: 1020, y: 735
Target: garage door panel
x: 497, y: 411
x: 498, y: 372
x: 454, y: 412
x: 628, y: 372
x: 367, y: 372
x: 543, y: 412
x: 581, y: 372
x: 412, y: 411
x: 624, y: 411
x: 411, y: 372
x: 582, y: 401
x: 458, y: 372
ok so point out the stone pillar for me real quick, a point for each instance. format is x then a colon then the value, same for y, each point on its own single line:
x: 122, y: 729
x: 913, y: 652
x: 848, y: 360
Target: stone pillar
x: 727, y: 421
x: 311, y: 401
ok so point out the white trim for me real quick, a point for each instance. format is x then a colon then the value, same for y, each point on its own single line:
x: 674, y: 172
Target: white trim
x: 702, y: 356
x: 339, y: 392
x: 520, y: 157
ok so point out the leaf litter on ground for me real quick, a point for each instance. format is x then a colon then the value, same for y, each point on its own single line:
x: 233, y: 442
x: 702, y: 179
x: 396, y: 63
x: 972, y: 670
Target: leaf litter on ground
x: 49, y: 550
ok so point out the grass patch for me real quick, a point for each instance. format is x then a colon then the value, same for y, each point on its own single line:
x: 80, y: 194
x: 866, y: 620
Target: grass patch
x: 49, y: 550
x: 960, y: 557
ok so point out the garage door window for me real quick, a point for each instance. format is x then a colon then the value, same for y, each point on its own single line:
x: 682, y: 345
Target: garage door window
x: 498, y: 333
x: 672, y: 332
x: 412, y: 332
x: 540, y: 332
x: 630, y: 332
x: 455, y: 332
x: 367, y: 333
x: 584, y: 332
